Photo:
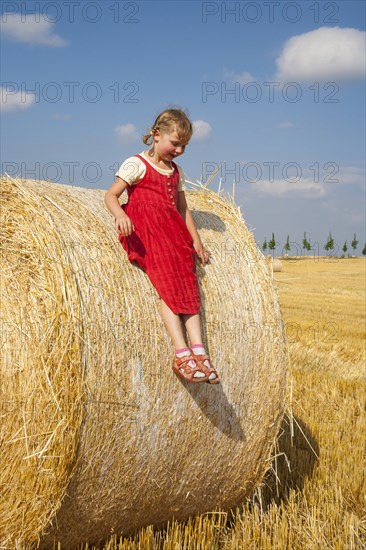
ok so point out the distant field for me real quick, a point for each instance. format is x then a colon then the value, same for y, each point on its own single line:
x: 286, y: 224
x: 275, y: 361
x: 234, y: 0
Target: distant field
x: 314, y: 496
x: 323, y: 305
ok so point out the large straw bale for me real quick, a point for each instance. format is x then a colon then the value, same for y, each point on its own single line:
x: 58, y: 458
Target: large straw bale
x: 97, y: 433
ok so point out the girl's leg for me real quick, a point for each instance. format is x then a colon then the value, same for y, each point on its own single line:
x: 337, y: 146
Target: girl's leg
x: 173, y: 325
x: 193, y: 327
x: 184, y: 364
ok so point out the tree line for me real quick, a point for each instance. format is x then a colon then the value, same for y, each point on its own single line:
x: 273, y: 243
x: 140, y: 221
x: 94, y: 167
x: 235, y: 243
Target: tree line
x: 329, y: 246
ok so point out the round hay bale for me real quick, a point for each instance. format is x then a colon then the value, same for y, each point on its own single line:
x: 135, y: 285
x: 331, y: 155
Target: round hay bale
x: 277, y: 265
x: 98, y: 435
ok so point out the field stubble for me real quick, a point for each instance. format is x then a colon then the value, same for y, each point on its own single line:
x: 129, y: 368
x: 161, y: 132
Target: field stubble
x: 313, y: 496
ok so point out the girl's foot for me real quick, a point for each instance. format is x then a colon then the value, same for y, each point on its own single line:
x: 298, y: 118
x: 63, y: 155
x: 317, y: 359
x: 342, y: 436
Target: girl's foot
x: 187, y: 368
x: 204, y: 363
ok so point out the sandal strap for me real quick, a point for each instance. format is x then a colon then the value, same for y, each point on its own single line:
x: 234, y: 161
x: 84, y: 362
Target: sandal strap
x: 184, y: 359
x: 202, y: 358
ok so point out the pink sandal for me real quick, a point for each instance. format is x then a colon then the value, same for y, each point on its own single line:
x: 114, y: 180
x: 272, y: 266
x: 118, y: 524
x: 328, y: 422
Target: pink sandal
x: 187, y: 372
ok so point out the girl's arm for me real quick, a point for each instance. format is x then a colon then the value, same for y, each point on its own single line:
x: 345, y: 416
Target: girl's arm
x: 122, y: 223
x: 183, y: 210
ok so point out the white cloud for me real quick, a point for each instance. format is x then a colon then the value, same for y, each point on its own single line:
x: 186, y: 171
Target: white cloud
x: 242, y: 78
x: 326, y: 54
x: 201, y: 130
x: 127, y: 133
x: 351, y: 175
x: 30, y: 29
x: 285, y: 125
x: 330, y: 177
x: 11, y: 101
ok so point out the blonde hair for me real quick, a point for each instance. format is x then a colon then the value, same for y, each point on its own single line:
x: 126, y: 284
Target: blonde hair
x: 168, y: 121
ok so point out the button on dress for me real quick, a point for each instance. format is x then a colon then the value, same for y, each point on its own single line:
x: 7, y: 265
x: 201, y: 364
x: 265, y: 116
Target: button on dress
x: 161, y: 243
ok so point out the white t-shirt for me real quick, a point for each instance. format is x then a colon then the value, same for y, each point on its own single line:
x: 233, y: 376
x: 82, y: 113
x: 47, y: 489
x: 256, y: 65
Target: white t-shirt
x: 132, y: 170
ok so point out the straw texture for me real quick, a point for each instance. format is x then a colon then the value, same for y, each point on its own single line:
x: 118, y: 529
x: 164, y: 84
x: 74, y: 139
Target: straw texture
x: 97, y: 433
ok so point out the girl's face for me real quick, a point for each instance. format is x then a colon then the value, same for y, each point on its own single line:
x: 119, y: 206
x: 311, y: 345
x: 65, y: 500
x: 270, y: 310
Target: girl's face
x: 168, y: 145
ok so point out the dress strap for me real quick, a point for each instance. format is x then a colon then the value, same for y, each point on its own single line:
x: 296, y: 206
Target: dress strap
x: 141, y: 158
x: 175, y: 166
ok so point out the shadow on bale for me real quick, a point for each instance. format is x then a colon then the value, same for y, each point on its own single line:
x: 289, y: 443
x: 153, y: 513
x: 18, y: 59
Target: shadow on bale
x: 214, y: 404
x: 207, y: 220
x: 297, y: 458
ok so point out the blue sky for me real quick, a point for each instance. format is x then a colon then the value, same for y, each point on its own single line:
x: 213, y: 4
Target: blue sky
x: 275, y: 90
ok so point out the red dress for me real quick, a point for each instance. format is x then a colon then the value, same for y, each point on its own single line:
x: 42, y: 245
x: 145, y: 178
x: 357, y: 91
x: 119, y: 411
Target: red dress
x: 161, y: 243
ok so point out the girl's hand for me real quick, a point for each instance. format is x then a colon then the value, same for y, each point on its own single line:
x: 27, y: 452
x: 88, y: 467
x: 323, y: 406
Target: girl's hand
x: 202, y: 252
x: 124, y: 225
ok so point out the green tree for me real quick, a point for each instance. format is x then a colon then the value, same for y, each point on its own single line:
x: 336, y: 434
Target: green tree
x: 272, y: 244
x: 354, y: 243
x: 329, y: 245
x: 265, y: 245
x: 344, y: 247
x: 287, y: 246
x: 306, y: 244
x: 364, y: 250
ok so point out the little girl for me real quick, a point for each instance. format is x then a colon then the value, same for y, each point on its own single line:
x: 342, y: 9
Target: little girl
x: 157, y: 231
